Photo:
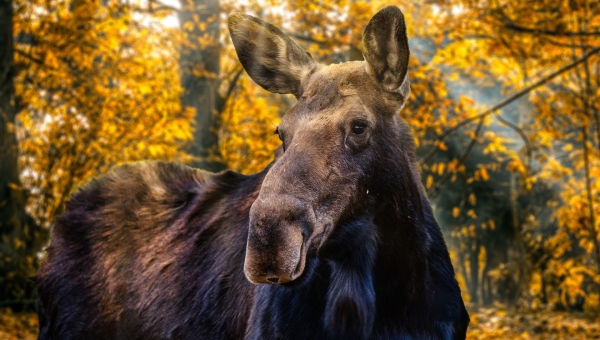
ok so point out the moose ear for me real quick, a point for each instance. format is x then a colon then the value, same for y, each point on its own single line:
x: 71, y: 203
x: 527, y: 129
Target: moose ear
x: 385, y: 48
x: 271, y: 58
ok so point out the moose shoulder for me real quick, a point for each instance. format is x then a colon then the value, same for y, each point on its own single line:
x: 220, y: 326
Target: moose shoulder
x: 334, y: 240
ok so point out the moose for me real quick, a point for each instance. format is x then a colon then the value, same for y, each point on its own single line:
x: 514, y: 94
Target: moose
x: 335, y: 239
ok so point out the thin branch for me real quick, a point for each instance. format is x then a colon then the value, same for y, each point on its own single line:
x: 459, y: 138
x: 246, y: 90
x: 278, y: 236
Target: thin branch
x: 447, y: 132
x: 232, y: 85
x: 461, y: 160
x: 523, y: 136
x: 505, y: 102
x: 561, y: 44
x: 447, y: 32
x: 511, y: 24
x: 465, y: 196
x: 32, y: 58
x: 309, y: 39
x: 518, y: 28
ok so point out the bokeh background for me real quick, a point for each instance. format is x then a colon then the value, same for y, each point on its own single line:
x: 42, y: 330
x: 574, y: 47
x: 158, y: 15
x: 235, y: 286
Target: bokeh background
x: 504, y: 109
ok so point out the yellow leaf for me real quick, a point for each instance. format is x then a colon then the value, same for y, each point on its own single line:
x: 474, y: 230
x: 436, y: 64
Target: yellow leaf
x: 439, y: 38
x: 472, y: 199
x: 456, y: 212
x: 14, y: 186
x: 188, y: 26
x: 484, y: 174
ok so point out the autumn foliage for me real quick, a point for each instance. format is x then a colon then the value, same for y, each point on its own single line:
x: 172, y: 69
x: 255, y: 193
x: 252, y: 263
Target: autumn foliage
x: 504, y: 110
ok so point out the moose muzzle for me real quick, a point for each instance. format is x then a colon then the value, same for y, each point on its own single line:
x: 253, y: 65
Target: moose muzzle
x: 277, y: 235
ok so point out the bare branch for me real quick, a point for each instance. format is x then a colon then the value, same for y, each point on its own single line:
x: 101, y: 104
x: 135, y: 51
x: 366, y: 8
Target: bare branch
x: 561, y: 44
x: 461, y: 160
x: 513, y: 26
x: 30, y: 57
x: 523, y: 137
x: 232, y: 85
x: 505, y: 102
x: 306, y: 38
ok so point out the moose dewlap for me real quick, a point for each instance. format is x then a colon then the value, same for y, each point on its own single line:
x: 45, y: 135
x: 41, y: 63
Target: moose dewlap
x: 335, y: 239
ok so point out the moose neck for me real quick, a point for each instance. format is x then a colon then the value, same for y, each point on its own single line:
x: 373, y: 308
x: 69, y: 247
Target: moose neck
x: 400, y: 270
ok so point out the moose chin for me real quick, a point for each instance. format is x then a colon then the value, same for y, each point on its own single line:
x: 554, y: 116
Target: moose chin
x: 335, y: 239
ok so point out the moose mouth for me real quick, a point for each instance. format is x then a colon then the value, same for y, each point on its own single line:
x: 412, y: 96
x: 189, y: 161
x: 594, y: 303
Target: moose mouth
x: 275, y: 266
x: 265, y: 263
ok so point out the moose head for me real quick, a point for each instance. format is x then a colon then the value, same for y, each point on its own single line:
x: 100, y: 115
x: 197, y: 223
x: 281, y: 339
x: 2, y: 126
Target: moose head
x: 334, y: 139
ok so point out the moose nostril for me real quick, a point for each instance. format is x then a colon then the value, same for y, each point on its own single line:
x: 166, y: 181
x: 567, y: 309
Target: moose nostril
x: 273, y: 279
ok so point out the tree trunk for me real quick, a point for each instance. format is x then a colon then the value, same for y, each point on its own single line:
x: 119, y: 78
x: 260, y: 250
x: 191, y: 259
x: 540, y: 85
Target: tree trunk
x: 521, y: 260
x: 200, y: 66
x: 18, y: 231
x: 474, y: 273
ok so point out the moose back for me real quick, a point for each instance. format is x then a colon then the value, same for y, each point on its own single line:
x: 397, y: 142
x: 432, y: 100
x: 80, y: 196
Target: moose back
x: 335, y: 239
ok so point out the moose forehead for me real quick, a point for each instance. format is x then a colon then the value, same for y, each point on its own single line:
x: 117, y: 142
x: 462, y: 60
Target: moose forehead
x: 338, y: 91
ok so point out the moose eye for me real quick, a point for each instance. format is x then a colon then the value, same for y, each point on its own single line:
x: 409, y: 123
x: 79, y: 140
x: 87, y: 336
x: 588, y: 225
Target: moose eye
x: 359, y: 128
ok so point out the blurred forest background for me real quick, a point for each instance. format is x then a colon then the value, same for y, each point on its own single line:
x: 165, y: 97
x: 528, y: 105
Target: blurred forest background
x: 504, y: 109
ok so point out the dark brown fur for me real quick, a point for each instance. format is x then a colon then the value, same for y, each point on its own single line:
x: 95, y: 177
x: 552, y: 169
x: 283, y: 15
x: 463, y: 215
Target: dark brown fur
x: 336, y: 235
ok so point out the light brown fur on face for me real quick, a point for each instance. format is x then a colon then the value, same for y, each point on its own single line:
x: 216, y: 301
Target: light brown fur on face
x: 325, y: 159
x: 317, y: 168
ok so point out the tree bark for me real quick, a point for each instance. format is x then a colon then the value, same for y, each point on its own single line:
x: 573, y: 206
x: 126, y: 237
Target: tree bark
x: 590, y: 198
x: 17, y: 229
x: 201, y: 87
